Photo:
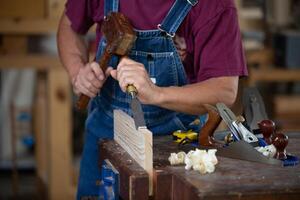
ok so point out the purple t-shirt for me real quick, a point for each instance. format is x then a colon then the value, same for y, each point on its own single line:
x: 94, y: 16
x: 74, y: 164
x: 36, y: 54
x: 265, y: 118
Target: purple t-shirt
x: 211, y: 31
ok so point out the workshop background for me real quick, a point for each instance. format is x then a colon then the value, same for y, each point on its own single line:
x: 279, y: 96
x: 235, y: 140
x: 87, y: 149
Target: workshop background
x: 41, y: 133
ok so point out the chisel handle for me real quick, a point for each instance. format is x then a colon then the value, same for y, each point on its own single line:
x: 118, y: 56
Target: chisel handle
x: 131, y: 89
x: 84, y: 100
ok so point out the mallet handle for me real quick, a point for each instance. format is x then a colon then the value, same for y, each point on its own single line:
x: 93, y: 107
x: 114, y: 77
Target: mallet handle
x: 83, y: 100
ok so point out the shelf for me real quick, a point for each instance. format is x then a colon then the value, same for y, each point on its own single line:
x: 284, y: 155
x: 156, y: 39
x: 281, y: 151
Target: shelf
x: 273, y: 75
x: 28, y: 26
x: 35, y: 61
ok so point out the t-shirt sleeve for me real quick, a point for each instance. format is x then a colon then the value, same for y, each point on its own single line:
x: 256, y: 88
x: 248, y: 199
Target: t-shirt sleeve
x: 218, y: 47
x: 79, y: 13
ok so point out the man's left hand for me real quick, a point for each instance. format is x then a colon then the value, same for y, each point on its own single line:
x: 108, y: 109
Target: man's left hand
x: 130, y: 72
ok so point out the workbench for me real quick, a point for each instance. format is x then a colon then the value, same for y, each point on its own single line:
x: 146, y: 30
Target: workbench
x: 233, y: 179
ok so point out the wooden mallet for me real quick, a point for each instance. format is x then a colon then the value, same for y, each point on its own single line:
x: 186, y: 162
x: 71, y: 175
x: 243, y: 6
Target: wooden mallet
x: 120, y: 38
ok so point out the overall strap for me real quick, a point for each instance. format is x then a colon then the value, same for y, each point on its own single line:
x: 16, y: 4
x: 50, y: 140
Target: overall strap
x: 110, y: 5
x: 175, y: 16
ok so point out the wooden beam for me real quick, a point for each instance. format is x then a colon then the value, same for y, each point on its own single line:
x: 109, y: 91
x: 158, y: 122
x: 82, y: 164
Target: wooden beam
x: 22, y: 9
x: 29, y: 61
x: 59, y: 138
x: 28, y: 26
x: 287, y: 104
x: 137, y: 143
x: 273, y: 75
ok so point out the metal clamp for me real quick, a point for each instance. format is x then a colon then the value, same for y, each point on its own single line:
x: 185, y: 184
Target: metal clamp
x: 168, y: 34
x: 192, y: 3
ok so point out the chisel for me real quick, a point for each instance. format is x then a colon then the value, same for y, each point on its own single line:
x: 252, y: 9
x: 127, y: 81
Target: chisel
x: 136, y: 108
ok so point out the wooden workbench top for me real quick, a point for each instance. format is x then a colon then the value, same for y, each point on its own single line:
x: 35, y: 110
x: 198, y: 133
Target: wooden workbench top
x: 233, y: 179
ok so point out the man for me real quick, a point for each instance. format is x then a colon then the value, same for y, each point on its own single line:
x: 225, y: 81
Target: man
x: 172, y: 91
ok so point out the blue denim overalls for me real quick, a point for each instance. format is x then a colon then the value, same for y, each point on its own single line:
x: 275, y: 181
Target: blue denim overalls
x: 156, y: 50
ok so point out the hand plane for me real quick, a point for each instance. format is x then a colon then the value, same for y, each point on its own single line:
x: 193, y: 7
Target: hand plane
x: 237, y: 146
x: 239, y: 131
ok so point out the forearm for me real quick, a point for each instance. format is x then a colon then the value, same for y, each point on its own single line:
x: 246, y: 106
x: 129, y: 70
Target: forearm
x: 71, y: 46
x: 191, y: 98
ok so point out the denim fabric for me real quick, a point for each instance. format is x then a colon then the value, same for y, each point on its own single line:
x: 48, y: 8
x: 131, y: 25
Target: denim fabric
x: 175, y: 16
x: 157, y: 52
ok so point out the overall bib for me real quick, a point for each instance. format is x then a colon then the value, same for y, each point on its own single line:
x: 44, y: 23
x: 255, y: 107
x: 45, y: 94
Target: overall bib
x: 156, y: 50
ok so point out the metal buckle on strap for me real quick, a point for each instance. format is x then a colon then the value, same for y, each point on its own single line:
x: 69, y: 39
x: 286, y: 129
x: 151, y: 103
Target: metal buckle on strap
x: 193, y: 3
x: 168, y: 34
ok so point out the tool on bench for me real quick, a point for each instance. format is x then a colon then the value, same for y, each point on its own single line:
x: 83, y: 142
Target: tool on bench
x: 240, y: 147
x: 184, y: 137
x: 120, y: 38
x: 264, y: 128
x: 239, y: 131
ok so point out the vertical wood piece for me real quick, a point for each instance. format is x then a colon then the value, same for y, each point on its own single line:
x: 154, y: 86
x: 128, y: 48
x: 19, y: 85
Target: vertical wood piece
x: 15, y: 173
x: 59, y: 135
x: 137, y: 143
x: 40, y: 127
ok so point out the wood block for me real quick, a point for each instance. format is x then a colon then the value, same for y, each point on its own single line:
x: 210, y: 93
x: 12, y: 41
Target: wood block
x: 22, y: 9
x: 138, y: 143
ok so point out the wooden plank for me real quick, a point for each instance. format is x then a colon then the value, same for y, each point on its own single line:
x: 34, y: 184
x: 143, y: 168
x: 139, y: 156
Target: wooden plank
x: 14, y: 44
x: 134, y: 180
x: 287, y: 112
x: 41, y: 127
x: 263, y: 58
x: 22, y: 9
x: 60, y: 166
x: 284, y: 104
x: 28, y: 26
x: 29, y: 61
x: 273, y: 75
x: 55, y: 8
x: 138, y: 143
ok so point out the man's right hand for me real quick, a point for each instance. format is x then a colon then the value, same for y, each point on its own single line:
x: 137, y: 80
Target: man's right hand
x: 90, y: 79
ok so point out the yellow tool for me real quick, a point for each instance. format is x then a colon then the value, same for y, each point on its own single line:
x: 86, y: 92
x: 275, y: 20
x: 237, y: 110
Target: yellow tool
x: 183, y: 137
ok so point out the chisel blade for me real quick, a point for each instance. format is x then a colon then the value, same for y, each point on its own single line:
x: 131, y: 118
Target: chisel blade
x: 138, y: 114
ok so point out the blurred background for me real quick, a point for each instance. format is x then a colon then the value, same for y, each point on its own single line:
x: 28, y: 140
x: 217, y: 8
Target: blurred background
x: 41, y: 133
